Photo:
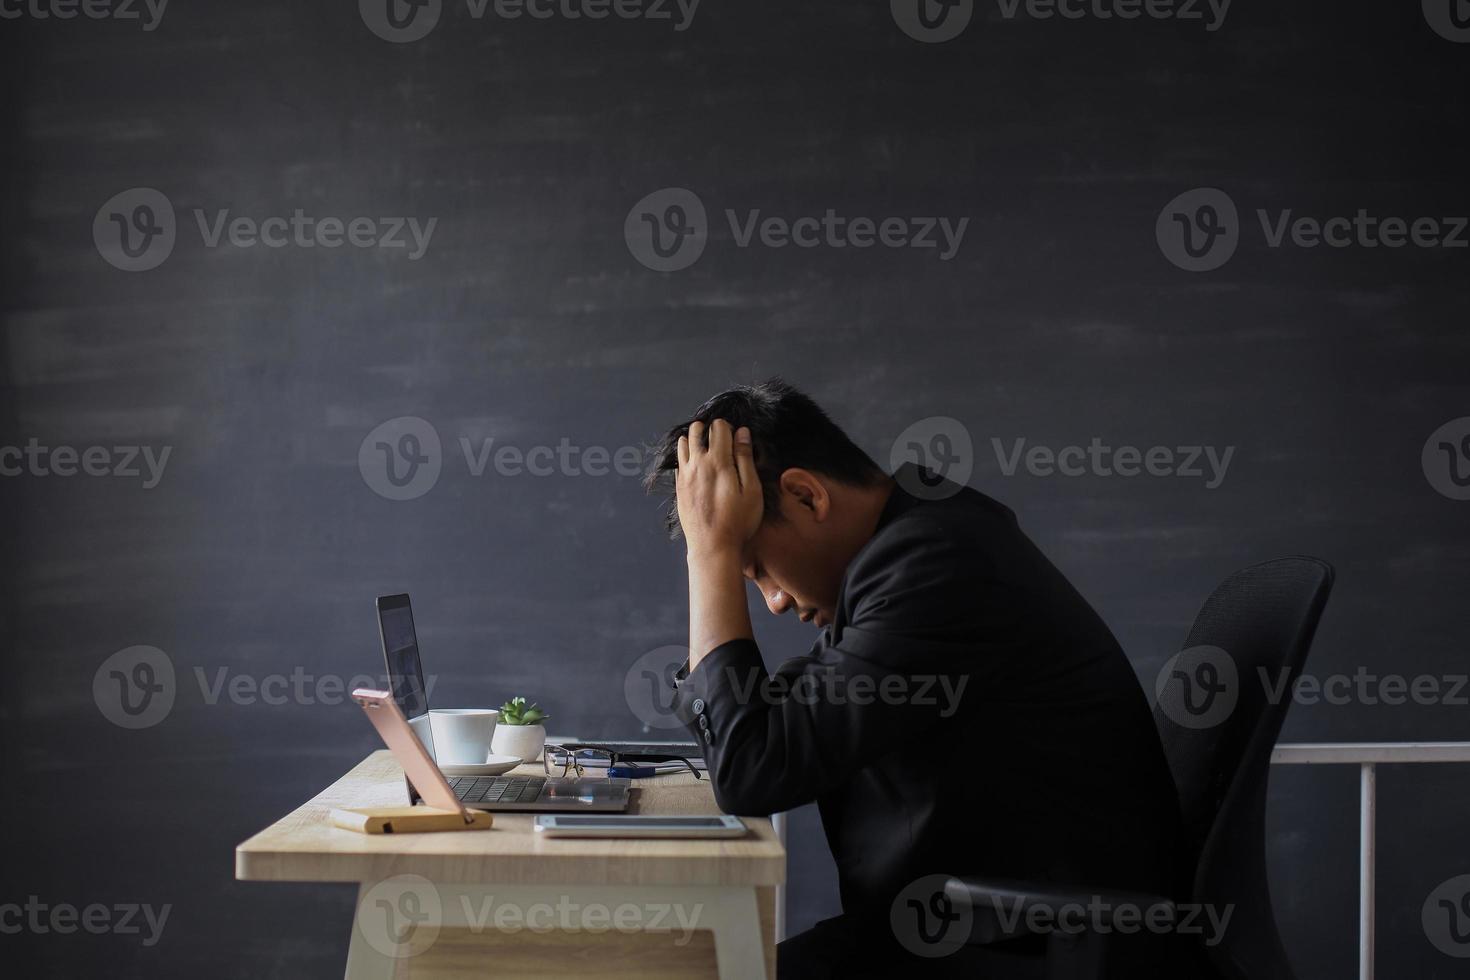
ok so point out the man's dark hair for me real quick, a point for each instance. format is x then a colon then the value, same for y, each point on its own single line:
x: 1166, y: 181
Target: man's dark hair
x: 787, y: 429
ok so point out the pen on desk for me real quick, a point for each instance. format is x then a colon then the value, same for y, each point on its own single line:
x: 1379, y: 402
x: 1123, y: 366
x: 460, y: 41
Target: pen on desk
x: 642, y: 772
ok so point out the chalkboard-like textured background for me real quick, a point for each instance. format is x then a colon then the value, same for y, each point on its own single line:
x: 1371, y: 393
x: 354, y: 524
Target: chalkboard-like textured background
x: 528, y: 321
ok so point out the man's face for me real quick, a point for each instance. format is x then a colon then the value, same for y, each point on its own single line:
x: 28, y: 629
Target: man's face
x: 797, y: 564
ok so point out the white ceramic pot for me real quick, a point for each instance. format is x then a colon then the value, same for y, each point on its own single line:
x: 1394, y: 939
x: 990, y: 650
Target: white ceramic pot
x: 523, y: 741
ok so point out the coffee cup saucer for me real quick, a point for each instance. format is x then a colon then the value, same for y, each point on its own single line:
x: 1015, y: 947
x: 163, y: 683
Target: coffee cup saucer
x: 495, y: 765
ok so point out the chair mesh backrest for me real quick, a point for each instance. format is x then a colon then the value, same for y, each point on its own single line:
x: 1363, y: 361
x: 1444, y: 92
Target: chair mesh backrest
x: 1220, y: 710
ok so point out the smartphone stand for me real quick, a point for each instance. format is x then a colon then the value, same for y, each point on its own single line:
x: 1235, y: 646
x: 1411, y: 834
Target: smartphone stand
x: 409, y: 819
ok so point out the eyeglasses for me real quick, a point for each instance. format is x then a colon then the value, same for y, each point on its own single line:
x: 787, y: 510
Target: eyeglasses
x: 572, y: 758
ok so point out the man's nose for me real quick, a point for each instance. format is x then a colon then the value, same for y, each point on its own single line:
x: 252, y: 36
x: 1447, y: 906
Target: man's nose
x: 778, y: 602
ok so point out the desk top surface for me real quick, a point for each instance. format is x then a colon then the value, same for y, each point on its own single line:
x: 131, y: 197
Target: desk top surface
x: 305, y: 846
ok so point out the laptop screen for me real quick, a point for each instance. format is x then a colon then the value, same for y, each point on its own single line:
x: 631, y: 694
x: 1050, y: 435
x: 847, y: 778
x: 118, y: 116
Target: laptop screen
x: 405, y: 672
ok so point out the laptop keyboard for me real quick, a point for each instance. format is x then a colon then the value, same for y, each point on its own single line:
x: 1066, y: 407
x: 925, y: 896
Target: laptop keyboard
x: 497, y: 789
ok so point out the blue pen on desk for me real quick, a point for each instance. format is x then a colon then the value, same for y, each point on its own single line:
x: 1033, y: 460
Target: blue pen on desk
x: 631, y: 772
x: 638, y: 772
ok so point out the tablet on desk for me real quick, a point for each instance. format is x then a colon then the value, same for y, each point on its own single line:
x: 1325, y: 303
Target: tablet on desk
x: 593, y: 825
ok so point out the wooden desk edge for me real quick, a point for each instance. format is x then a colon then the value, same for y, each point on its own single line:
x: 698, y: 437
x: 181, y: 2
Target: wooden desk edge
x: 262, y: 859
x: 281, y: 866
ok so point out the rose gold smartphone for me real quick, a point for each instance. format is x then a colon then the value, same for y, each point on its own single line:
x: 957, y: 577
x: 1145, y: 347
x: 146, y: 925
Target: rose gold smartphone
x: 417, y: 765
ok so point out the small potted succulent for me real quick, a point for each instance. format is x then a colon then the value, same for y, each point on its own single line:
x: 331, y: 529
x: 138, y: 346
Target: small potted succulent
x: 519, y: 730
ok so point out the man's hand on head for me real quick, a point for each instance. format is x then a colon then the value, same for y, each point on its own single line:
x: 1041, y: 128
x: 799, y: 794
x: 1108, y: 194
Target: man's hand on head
x: 720, y: 508
x: 718, y: 490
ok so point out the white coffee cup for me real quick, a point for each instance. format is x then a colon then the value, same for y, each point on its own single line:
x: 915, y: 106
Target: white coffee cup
x: 462, y: 735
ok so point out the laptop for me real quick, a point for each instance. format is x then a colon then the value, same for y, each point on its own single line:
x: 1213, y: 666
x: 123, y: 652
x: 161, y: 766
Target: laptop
x: 541, y: 794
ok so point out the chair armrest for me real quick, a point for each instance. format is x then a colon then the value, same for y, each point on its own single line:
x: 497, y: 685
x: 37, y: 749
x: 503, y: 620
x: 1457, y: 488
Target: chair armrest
x: 1005, y: 908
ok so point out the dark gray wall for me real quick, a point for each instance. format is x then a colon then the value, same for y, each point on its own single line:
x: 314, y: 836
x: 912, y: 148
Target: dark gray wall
x: 528, y: 320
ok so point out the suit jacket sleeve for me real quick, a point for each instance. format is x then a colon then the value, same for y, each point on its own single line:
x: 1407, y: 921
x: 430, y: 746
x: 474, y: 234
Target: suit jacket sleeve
x: 883, y: 679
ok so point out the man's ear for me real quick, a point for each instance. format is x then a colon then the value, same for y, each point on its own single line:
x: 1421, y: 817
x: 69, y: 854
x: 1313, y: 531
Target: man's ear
x: 807, y: 492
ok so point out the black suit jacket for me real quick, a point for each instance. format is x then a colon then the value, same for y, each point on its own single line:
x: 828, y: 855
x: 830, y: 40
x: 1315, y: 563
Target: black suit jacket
x: 966, y: 712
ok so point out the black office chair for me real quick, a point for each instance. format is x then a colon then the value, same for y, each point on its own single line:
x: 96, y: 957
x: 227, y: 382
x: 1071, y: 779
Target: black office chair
x: 1264, y: 617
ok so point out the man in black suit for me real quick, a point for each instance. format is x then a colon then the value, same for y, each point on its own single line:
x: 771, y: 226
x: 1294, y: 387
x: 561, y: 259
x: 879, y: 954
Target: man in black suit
x: 963, y: 709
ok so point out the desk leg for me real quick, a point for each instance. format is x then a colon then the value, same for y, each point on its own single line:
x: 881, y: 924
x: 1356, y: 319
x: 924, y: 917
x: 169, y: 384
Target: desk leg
x: 363, y: 961
x: 739, y: 950
x: 399, y: 918
x: 778, y: 821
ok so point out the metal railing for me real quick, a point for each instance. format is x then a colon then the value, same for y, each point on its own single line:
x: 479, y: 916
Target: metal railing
x: 1367, y: 756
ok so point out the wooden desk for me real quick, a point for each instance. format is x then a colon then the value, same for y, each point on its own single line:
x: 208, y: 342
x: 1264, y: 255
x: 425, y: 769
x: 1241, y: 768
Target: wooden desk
x: 505, y: 902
